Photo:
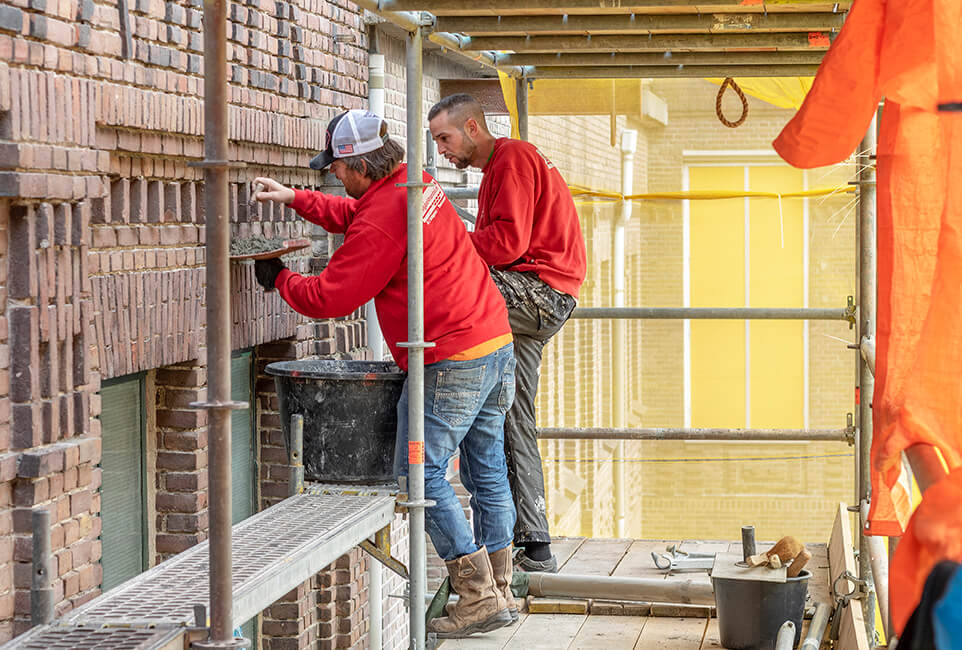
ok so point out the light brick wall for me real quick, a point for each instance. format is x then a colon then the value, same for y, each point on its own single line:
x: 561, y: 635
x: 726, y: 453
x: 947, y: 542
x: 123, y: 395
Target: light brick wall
x: 576, y: 381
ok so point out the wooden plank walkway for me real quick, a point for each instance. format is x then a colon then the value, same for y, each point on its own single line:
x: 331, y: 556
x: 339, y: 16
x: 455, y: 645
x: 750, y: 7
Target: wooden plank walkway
x: 575, y: 624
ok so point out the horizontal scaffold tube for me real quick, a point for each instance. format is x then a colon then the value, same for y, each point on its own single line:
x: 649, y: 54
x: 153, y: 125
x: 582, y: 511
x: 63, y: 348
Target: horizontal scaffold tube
x: 807, y: 435
x: 713, y: 313
x: 649, y: 590
x: 411, y: 21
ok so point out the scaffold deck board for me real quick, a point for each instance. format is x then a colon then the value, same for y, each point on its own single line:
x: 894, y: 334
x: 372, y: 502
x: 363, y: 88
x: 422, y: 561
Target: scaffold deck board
x: 272, y: 552
x: 53, y: 637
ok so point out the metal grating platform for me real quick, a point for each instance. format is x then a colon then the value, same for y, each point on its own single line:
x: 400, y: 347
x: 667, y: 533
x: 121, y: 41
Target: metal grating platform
x: 272, y: 552
x: 88, y: 638
x: 341, y: 489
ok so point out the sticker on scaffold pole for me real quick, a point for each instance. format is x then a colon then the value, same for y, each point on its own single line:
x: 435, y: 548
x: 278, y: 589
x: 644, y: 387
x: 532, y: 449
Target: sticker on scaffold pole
x: 415, y: 452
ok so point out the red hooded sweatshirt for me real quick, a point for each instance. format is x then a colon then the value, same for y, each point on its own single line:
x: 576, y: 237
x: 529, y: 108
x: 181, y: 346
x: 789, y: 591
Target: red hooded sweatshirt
x: 462, y: 306
x: 527, y: 220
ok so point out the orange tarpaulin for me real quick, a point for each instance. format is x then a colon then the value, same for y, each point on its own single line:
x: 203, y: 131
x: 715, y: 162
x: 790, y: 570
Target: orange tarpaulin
x: 907, y: 52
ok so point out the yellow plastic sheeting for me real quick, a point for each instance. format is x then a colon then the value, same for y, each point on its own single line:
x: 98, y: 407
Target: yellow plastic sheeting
x: 510, y: 92
x: 784, y: 92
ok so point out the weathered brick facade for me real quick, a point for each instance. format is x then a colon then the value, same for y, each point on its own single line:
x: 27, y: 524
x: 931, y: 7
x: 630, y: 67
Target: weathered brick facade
x: 102, y: 271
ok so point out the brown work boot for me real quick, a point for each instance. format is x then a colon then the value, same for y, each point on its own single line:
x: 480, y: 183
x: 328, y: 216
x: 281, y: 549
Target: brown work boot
x: 480, y: 606
x: 501, y: 567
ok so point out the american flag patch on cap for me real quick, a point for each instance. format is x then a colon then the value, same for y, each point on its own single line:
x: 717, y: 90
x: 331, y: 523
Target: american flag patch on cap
x: 345, y: 148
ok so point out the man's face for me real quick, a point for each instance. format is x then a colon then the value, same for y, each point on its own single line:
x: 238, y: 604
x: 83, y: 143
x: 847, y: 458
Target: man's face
x: 453, y: 142
x: 355, y: 183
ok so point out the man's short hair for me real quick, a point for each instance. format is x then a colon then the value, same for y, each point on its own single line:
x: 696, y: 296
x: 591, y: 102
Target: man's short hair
x: 461, y: 107
x: 377, y: 164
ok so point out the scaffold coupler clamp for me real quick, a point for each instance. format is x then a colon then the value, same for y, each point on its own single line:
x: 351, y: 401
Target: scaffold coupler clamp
x: 850, y: 312
x: 859, y: 589
x: 200, y: 625
x: 850, y: 429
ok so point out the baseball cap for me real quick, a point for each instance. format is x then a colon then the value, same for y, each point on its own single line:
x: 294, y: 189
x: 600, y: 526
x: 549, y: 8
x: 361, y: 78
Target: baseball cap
x: 351, y: 133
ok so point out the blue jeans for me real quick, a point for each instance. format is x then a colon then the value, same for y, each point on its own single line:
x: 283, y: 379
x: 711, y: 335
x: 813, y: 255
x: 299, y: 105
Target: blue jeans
x: 464, y: 407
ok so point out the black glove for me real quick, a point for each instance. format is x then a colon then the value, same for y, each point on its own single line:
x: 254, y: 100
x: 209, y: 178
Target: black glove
x: 266, y: 272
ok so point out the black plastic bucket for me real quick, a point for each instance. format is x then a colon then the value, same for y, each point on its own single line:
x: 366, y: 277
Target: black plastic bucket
x: 751, y: 611
x: 350, y: 416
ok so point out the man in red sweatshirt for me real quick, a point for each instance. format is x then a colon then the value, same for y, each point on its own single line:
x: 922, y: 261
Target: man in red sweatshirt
x: 468, y: 373
x: 528, y: 232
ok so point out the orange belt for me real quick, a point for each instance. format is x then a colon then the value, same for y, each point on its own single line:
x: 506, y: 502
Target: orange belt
x: 482, y: 349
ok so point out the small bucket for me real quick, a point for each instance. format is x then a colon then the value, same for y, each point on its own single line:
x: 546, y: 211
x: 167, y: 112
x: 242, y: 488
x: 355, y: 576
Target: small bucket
x: 750, y: 612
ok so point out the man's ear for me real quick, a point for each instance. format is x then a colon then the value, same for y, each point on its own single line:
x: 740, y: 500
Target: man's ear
x: 471, y: 127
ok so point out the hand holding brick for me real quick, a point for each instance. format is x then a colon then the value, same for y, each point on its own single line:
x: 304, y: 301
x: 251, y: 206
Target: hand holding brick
x: 273, y: 191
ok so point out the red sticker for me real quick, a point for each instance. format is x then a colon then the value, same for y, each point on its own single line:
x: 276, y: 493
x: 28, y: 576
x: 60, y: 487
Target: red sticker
x: 415, y: 452
x: 818, y: 39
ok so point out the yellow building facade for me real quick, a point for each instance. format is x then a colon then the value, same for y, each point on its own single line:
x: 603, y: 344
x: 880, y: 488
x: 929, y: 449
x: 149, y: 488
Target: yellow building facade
x: 735, y: 252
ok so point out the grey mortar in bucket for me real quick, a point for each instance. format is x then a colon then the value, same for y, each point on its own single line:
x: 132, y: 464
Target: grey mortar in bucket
x: 350, y: 416
x: 751, y: 611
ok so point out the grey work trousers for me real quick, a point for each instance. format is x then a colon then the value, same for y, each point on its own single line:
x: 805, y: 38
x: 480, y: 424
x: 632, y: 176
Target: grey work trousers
x: 531, y: 327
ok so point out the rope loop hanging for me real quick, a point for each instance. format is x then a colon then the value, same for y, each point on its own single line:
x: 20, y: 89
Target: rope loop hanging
x: 729, y: 82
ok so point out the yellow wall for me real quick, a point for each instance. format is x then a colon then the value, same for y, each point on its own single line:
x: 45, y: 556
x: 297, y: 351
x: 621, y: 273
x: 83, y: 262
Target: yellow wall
x: 690, y: 489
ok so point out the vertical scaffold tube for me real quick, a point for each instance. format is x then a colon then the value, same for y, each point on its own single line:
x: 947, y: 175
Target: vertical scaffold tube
x: 866, y: 380
x: 619, y: 344
x: 218, y: 315
x: 415, y: 154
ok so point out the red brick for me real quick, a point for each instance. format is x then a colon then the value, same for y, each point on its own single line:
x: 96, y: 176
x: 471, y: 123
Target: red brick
x: 25, y: 426
x: 24, y: 356
x: 80, y: 224
x: 90, y: 450
x: 80, y: 502
x: 42, y: 462
x: 104, y: 237
x: 180, y: 502
x: 181, y: 523
x: 169, y: 543
x: 30, y: 493
x: 185, y: 482
x: 126, y: 236
x: 22, y: 242
x: 181, y: 419
x: 71, y: 584
x: 179, y: 460
x: 89, y: 576
x: 138, y: 201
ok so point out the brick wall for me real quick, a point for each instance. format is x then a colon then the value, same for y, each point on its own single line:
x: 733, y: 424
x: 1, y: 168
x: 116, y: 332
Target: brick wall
x: 102, y: 267
x: 575, y: 380
x: 181, y: 478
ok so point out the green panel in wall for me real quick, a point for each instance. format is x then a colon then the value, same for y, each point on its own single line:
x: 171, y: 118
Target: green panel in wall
x: 122, y: 492
x: 243, y: 472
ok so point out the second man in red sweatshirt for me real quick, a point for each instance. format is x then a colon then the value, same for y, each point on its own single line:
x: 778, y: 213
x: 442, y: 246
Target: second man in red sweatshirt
x: 528, y: 232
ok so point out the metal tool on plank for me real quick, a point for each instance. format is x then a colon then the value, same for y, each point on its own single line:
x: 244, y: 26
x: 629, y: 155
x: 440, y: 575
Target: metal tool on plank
x: 678, y: 560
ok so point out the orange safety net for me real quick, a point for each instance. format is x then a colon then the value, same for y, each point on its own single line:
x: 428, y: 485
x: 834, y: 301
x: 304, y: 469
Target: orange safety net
x: 908, y: 53
x: 932, y: 535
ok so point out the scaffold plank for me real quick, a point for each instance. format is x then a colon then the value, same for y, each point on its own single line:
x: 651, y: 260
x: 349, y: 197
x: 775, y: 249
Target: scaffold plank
x: 54, y: 637
x: 272, y: 552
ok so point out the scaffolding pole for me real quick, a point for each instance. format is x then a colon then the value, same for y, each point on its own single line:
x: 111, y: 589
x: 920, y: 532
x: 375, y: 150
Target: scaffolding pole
x: 218, y: 405
x: 416, y: 503
x: 866, y: 301
x: 782, y: 435
x: 629, y: 141
x: 713, y: 313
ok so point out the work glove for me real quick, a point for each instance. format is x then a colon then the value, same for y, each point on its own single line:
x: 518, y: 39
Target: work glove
x: 266, y: 272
